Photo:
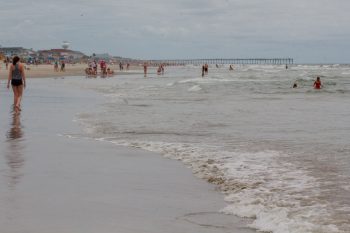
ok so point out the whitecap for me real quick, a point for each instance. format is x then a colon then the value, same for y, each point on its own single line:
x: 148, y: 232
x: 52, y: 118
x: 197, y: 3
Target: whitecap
x: 195, y: 88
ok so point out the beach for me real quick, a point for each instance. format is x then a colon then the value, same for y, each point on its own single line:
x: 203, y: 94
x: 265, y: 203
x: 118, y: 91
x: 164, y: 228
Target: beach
x: 78, y: 69
x: 217, y: 116
x: 56, y: 178
x: 228, y: 152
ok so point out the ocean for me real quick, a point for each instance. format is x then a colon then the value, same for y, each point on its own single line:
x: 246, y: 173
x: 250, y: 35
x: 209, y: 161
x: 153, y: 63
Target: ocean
x: 281, y: 155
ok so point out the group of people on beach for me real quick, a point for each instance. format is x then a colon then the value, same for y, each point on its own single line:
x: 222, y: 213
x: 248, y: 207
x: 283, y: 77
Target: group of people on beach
x: 93, y: 67
x: 160, y: 69
x: 121, y: 66
x: 63, y: 66
x: 17, y: 77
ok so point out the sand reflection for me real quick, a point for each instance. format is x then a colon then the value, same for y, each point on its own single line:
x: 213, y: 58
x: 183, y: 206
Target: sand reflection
x: 14, y: 152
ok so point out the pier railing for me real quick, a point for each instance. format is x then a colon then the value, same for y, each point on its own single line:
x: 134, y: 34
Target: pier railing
x: 257, y: 61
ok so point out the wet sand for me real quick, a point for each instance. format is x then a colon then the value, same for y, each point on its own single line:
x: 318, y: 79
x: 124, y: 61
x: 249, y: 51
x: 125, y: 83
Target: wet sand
x: 51, y: 183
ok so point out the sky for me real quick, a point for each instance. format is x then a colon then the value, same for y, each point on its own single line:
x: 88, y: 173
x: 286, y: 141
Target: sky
x: 310, y: 31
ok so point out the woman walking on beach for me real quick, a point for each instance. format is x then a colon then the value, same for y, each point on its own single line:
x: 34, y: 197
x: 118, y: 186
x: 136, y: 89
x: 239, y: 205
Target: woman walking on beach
x: 18, y: 81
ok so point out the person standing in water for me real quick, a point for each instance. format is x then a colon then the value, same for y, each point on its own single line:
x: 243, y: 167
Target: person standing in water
x: 318, y: 84
x: 145, y: 69
x: 18, y: 81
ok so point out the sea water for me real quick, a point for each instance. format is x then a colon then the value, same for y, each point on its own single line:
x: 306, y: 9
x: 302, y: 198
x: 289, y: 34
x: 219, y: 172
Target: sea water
x: 280, y: 154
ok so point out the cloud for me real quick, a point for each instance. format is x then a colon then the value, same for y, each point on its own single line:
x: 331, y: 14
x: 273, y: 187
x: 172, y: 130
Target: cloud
x: 181, y: 28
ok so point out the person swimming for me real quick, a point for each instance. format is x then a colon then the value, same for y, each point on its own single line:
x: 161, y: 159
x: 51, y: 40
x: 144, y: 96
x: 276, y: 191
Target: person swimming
x: 317, y: 83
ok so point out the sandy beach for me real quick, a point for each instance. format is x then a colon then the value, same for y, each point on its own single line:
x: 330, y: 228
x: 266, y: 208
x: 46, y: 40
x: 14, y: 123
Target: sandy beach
x: 52, y: 183
x: 44, y: 71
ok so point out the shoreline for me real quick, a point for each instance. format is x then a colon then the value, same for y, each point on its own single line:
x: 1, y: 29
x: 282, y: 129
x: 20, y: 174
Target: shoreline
x: 54, y: 179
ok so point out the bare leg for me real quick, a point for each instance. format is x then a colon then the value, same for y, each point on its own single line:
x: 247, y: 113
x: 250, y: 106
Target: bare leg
x: 19, y: 97
x: 15, y: 94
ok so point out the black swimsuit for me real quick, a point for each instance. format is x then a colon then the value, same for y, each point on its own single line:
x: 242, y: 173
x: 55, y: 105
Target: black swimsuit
x: 16, y: 82
x: 16, y: 77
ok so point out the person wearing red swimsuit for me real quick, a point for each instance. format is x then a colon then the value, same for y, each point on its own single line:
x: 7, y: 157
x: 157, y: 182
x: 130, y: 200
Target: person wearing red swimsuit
x: 318, y: 84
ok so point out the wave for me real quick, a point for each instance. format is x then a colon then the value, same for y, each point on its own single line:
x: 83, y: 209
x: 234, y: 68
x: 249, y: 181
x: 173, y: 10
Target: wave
x: 195, y: 88
x: 277, y: 196
x: 328, y: 91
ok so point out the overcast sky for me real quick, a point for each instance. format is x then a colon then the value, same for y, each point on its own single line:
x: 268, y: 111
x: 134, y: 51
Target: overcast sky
x: 307, y: 30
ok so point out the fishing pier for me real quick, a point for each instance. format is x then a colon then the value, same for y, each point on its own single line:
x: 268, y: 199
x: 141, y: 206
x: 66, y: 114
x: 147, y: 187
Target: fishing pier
x: 220, y: 61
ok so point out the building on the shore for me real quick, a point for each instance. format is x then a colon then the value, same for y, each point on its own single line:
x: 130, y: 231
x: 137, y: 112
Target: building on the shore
x: 61, y: 54
x: 17, y: 51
